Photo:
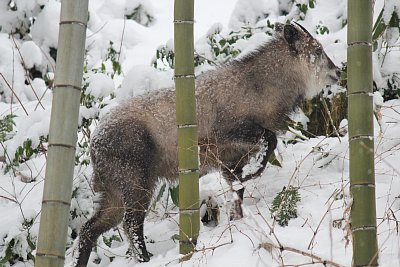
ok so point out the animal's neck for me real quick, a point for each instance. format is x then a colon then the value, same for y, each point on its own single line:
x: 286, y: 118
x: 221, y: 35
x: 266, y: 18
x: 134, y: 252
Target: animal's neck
x: 271, y: 83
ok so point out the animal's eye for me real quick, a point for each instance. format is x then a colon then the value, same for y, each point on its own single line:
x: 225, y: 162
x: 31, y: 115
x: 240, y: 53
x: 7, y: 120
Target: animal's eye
x: 318, y: 51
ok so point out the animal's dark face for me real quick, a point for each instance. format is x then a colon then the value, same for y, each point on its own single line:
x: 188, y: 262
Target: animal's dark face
x: 315, y: 63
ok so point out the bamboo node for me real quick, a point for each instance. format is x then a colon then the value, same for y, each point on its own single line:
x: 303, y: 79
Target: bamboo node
x: 188, y: 211
x: 364, y: 228
x: 362, y: 185
x: 56, y: 201
x: 49, y: 255
x: 369, y: 137
x: 180, y: 21
x: 81, y: 23
x: 67, y: 85
x: 186, y: 171
x: 184, y: 76
x: 62, y: 145
x: 364, y: 92
x: 359, y: 43
x: 182, y: 126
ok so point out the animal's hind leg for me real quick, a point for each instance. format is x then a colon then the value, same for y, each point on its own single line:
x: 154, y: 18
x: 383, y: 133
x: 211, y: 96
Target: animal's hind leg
x: 136, y: 203
x: 108, y: 215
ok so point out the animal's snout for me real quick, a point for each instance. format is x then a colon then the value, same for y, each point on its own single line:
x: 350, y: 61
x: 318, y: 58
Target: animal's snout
x: 338, y: 74
x: 334, y: 71
x: 335, y: 75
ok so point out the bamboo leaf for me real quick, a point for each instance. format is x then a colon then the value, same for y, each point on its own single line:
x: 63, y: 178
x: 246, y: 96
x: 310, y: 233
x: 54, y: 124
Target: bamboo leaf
x: 159, y: 195
x: 174, y: 193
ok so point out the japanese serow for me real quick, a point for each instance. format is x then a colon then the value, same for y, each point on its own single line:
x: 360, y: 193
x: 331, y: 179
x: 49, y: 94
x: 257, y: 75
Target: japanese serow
x: 241, y: 106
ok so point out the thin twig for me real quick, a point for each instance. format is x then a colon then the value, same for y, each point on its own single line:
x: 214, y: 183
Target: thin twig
x: 26, y: 71
x: 10, y: 199
x: 122, y: 38
x: 94, y: 33
x: 12, y: 90
x: 334, y: 196
x: 8, y: 157
x: 12, y: 83
x: 268, y: 246
x: 49, y: 60
x: 271, y: 228
x: 330, y: 117
x: 204, y: 249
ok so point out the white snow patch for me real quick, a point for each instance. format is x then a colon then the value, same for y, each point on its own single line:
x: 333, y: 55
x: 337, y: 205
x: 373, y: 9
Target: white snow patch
x: 46, y: 27
x: 251, y: 11
x: 31, y: 54
x: 100, y: 85
x: 143, y: 79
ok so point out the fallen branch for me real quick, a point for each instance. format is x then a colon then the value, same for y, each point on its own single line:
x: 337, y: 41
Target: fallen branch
x: 269, y: 246
x: 204, y: 249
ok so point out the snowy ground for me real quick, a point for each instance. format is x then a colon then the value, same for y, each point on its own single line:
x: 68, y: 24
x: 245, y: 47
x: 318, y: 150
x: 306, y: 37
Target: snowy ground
x: 318, y: 166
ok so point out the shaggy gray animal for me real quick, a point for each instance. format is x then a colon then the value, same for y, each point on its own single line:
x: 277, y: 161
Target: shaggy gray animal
x: 241, y: 106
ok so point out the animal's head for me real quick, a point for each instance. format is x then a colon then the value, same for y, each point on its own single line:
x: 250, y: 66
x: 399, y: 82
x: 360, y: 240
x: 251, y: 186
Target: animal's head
x: 315, y: 63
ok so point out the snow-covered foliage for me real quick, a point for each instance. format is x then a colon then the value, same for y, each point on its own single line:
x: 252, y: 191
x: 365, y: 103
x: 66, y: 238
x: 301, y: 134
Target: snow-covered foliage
x: 129, y: 52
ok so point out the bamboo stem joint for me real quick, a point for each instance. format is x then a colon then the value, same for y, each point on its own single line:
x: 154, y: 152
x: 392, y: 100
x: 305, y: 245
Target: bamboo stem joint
x: 81, y: 23
x: 178, y: 21
x: 67, y: 85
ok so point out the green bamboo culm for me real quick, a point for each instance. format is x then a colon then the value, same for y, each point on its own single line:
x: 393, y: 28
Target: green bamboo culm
x: 189, y: 218
x: 360, y: 109
x: 62, y: 135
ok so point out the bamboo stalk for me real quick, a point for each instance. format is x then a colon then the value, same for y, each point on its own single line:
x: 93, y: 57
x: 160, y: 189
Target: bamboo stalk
x: 362, y: 171
x: 62, y: 135
x: 189, y: 219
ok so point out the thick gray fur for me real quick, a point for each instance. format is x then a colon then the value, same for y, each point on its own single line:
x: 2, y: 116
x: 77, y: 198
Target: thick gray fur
x: 240, y: 105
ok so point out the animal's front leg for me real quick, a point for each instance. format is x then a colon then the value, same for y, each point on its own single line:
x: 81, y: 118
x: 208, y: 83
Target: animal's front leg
x: 257, y: 164
x: 243, y: 159
x: 252, y: 169
x: 243, y: 155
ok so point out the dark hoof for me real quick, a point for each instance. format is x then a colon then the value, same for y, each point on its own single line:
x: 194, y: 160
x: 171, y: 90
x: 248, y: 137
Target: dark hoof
x: 143, y: 258
x: 236, y: 210
x: 141, y: 255
x: 211, y: 216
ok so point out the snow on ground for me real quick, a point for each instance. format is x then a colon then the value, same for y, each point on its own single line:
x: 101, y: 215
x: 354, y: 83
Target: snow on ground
x: 319, y: 166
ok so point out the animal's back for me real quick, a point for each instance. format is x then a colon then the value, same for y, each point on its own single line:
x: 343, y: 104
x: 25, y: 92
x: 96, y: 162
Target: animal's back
x: 138, y: 136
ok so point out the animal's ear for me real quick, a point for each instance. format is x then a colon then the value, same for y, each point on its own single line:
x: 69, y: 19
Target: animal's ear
x: 291, y: 35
